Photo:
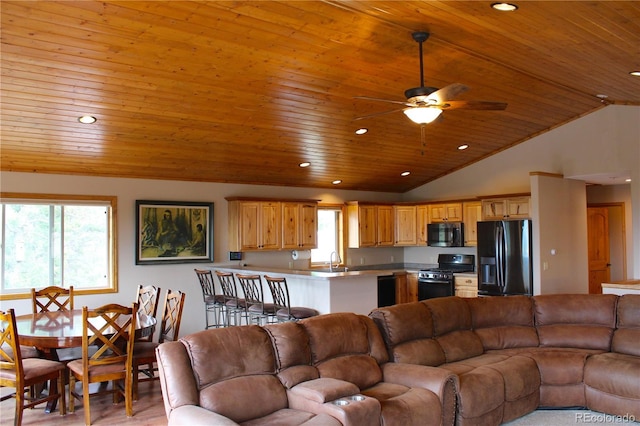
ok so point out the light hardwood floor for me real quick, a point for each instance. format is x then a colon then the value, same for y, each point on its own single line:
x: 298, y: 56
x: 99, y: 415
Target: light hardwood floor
x: 148, y: 410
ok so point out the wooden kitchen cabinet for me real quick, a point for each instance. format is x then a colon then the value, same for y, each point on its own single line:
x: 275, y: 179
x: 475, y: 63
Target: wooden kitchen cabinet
x: 370, y: 225
x: 422, y: 220
x: 472, y: 213
x: 445, y: 212
x: 506, y: 208
x: 299, y: 225
x: 254, y: 225
x: 466, y: 286
x: 405, y: 225
x: 406, y: 287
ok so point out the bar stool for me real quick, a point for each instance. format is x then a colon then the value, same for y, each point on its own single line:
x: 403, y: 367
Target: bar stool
x: 280, y: 293
x: 234, y: 305
x: 254, y: 306
x: 213, y: 303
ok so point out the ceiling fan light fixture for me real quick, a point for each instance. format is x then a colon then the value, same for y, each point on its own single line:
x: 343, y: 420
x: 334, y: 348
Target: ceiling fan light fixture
x: 422, y: 114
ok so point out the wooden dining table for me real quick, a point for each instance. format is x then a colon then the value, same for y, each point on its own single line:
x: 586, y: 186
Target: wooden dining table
x: 48, y: 331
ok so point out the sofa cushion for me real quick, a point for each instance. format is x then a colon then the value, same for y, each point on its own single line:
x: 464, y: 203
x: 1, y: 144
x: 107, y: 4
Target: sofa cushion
x: 503, y: 322
x: 229, y: 397
x: 342, y: 345
x: 240, y: 351
x: 613, y: 384
x: 453, y: 332
x: 403, y: 406
x: 626, y: 338
x: 292, y: 353
x: 575, y: 321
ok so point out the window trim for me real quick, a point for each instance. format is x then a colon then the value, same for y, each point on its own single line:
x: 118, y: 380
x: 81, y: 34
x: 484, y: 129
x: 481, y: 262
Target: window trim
x: 112, y: 200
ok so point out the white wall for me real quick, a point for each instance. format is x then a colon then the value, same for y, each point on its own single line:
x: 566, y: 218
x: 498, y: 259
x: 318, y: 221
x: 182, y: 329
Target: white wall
x: 559, y: 235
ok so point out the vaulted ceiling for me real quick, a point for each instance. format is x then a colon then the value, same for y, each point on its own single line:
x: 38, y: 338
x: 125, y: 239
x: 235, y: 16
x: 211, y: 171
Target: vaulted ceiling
x: 245, y: 91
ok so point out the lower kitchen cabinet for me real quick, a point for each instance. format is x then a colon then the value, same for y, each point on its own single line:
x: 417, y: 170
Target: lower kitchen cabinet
x: 466, y: 286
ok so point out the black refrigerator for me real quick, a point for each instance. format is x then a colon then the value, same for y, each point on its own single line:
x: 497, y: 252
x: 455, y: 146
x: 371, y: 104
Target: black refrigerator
x: 504, y: 258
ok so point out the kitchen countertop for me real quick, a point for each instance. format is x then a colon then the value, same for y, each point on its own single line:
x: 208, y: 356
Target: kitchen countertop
x: 388, y: 269
x: 624, y: 284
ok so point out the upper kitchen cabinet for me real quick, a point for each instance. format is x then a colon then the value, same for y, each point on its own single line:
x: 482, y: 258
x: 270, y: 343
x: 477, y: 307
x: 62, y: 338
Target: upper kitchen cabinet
x: 445, y: 212
x: 422, y: 220
x: 505, y: 208
x: 370, y: 225
x: 472, y: 213
x: 405, y: 226
x: 254, y: 225
x: 299, y: 225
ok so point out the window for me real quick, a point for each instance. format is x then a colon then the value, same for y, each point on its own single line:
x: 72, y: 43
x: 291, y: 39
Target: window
x: 330, y: 235
x: 57, y: 240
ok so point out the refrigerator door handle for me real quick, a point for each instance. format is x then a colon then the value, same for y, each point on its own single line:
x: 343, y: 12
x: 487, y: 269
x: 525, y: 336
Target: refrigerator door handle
x: 500, y: 257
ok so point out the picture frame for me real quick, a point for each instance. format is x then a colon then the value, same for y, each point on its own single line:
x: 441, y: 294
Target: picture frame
x: 173, y: 232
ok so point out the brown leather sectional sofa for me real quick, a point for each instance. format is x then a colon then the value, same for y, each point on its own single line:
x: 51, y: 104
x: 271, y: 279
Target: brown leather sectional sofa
x: 440, y: 361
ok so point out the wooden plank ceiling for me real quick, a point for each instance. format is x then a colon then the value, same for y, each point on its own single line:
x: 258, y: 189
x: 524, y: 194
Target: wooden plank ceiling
x: 244, y: 91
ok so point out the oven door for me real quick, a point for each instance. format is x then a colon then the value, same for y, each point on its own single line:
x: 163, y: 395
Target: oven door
x: 431, y: 288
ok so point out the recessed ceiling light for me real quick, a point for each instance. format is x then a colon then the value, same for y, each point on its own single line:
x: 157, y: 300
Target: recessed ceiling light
x: 463, y: 147
x: 336, y: 182
x: 504, y: 7
x: 407, y: 173
x: 304, y: 164
x: 361, y: 131
x: 627, y: 180
x: 87, y: 119
x: 635, y: 73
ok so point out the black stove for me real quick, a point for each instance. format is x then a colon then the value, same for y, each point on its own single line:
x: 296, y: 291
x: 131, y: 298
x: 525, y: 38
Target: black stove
x: 439, y: 282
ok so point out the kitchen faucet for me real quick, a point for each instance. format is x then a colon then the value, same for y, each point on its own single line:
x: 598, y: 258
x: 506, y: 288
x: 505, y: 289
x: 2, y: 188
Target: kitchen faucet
x: 338, y: 260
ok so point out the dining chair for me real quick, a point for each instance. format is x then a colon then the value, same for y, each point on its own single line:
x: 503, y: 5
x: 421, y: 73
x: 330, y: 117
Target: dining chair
x: 22, y: 373
x: 280, y: 294
x: 111, y: 328
x: 255, y: 307
x: 148, y: 297
x: 144, y: 353
x: 52, y: 298
x: 213, y: 303
x: 234, y: 305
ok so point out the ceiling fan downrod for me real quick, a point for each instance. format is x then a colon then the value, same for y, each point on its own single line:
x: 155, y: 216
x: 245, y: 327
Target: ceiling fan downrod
x: 420, y: 37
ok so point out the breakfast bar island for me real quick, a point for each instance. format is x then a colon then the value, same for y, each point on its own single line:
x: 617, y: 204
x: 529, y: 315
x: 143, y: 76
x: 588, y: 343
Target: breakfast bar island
x: 327, y: 292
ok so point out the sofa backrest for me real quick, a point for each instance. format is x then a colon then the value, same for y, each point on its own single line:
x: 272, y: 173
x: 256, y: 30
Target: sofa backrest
x: 407, y: 330
x: 346, y: 346
x: 452, y: 328
x: 578, y: 320
x: 503, y: 322
x: 292, y: 352
x: 626, y: 338
x: 234, y: 371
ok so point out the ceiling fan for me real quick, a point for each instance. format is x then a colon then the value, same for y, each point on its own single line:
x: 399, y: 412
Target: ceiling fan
x: 424, y: 104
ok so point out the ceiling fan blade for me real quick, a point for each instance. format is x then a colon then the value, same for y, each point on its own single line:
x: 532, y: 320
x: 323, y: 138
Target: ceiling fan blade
x: 480, y: 105
x: 377, y: 114
x: 447, y: 93
x: 367, y: 98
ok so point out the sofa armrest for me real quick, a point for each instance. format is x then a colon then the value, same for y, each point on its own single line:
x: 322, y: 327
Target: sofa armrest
x: 195, y: 415
x: 336, y: 398
x: 174, y: 367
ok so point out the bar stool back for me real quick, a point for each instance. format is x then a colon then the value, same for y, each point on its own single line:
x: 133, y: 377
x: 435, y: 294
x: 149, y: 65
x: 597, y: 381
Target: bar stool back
x: 280, y: 293
x: 213, y: 303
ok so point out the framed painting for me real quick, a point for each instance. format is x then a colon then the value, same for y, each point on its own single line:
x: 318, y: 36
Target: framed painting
x: 173, y: 232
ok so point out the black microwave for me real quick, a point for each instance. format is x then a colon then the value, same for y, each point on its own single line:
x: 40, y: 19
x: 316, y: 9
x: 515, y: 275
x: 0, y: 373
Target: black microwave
x: 446, y: 234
